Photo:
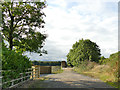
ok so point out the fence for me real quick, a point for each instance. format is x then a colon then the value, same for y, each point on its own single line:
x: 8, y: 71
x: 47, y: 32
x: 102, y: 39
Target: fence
x: 31, y: 74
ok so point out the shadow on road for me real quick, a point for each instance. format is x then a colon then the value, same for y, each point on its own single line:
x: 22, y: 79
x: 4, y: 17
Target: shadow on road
x: 84, y: 85
x: 42, y: 75
x: 67, y: 79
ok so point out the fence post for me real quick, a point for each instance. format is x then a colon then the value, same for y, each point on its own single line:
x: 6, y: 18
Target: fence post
x: 36, y: 72
x: 22, y: 77
x: 12, y: 83
x: 39, y: 72
x: 32, y: 74
x: 33, y: 71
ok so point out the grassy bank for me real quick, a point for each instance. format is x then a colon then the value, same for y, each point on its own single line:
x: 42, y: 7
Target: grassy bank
x: 102, y: 75
x: 97, y: 72
x: 106, y: 70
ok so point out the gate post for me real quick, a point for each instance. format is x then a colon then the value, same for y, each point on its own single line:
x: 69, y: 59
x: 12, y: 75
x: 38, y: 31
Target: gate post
x: 39, y: 71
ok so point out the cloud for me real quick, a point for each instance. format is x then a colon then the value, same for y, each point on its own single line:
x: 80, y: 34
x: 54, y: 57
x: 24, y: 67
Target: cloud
x: 67, y: 21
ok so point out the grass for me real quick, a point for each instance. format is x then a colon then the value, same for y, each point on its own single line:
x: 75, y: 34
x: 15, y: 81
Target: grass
x: 103, y: 72
x: 58, y: 71
x: 107, y: 71
x: 114, y: 84
x: 107, y: 78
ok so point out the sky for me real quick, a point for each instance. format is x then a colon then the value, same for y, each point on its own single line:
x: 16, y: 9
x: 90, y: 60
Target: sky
x: 68, y: 21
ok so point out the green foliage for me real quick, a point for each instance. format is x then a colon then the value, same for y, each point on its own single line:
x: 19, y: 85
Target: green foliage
x: 102, y: 58
x: 13, y: 64
x: 109, y: 71
x: 114, y: 84
x: 0, y: 52
x: 113, y: 62
x: 14, y: 61
x: 83, y: 50
x: 85, y: 66
x: 21, y: 23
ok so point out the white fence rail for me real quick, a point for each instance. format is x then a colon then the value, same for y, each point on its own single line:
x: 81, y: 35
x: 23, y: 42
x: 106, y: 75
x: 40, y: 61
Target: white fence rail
x: 30, y: 75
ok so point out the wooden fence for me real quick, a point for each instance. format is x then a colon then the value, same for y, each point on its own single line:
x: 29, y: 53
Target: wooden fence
x: 32, y: 74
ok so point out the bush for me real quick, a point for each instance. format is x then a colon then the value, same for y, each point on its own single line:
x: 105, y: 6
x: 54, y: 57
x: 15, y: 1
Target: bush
x: 14, y: 61
x: 85, y: 66
x: 13, y: 64
x: 112, y: 61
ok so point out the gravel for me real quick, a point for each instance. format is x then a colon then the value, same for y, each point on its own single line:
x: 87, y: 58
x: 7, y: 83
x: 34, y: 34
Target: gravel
x: 69, y: 79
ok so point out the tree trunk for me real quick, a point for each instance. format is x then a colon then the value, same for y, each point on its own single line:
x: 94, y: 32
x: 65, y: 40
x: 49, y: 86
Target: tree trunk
x: 11, y: 43
x: 11, y: 34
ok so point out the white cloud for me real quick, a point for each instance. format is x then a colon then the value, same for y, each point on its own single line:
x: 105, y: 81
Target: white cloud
x: 79, y: 1
x: 89, y: 20
x: 60, y: 3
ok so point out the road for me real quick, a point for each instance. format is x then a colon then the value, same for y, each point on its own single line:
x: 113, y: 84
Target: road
x: 69, y: 79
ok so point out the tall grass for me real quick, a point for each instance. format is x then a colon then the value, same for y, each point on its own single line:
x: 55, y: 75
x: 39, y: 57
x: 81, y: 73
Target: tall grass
x: 107, y: 70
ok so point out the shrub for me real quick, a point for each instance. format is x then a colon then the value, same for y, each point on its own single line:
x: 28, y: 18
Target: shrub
x: 112, y: 61
x: 14, y: 61
x: 13, y: 64
x: 86, y: 66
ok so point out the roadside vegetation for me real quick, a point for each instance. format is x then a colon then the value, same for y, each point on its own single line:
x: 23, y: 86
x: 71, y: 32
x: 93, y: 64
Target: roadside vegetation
x: 106, y: 69
x: 13, y: 64
x: 20, y: 24
x: 58, y: 71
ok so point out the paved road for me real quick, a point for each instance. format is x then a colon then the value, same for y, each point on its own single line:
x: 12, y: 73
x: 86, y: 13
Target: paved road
x: 69, y: 79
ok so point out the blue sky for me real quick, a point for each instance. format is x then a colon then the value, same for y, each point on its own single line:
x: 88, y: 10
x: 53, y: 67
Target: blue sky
x: 67, y: 21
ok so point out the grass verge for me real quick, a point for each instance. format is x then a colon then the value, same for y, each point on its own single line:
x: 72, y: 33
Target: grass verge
x: 101, y: 72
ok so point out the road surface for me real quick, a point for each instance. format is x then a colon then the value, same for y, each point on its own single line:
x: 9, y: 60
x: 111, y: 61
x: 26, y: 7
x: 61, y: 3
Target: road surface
x: 68, y: 79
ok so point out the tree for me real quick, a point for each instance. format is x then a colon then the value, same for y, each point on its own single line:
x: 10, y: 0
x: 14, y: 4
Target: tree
x: 21, y: 23
x: 102, y: 58
x: 83, y: 50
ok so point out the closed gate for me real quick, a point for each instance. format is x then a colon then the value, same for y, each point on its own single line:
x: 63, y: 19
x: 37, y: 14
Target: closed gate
x: 45, y: 69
